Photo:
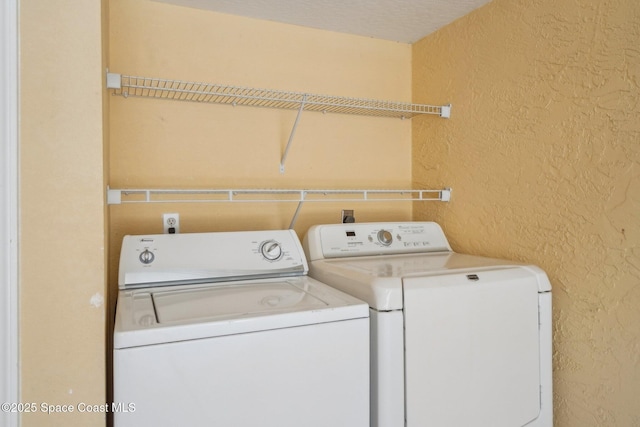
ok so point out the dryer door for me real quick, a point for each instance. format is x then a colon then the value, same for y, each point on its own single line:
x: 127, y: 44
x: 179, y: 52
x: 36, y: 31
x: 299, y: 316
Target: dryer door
x: 472, y: 356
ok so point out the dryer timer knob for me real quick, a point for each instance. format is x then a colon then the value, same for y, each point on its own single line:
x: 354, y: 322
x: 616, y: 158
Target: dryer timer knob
x: 385, y: 237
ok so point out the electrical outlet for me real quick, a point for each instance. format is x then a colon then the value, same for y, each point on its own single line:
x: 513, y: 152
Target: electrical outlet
x: 171, y: 223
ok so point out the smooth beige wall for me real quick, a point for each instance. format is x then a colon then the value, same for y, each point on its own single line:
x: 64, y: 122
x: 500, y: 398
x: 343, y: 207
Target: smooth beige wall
x: 543, y: 155
x: 62, y: 212
x: 170, y: 144
x: 179, y: 144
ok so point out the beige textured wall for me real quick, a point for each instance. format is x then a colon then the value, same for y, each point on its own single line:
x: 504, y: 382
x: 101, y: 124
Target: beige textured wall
x: 62, y: 226
x: 160, y: 144
x: 543, y: 154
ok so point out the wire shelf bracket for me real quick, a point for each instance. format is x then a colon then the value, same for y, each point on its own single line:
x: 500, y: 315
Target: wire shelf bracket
x: 293, y: 131
x: 180, y: 90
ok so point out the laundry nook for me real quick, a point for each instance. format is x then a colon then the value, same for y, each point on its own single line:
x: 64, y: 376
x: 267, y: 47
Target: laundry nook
x: 278, y: 213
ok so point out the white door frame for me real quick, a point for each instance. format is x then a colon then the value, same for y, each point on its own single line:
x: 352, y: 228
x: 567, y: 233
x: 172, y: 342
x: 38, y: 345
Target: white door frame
x: 9, y: 357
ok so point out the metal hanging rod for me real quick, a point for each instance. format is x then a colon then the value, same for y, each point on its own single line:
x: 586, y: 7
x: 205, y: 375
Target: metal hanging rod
x: 120, y: 196
x: 124, y: 196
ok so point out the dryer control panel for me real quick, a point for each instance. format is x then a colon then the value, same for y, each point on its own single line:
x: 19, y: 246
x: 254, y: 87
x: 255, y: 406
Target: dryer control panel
x: 347, y: 240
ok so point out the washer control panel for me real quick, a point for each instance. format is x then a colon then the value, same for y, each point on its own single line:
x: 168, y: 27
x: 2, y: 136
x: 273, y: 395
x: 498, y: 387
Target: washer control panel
x: 344, y: 240
x: 154, y: 260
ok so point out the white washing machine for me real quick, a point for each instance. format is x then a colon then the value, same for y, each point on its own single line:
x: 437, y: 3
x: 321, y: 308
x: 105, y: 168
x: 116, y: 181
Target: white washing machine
x: 456, y: 340
x: 227, y: 329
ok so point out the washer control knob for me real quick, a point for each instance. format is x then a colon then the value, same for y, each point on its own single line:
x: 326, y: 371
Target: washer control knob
x: 147, y: 257
x: 271, y: 250
x: 385, y: 237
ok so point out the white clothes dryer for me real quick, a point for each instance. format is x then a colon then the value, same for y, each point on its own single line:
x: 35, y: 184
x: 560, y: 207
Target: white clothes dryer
x: 456, y: 340
x: 227, y: 329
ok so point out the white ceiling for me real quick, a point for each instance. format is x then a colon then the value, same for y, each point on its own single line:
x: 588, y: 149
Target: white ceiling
x: 405, y: 21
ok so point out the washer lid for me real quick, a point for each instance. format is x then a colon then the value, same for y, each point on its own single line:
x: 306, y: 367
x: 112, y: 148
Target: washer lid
x: 163, y: 315
x: 229, y: 302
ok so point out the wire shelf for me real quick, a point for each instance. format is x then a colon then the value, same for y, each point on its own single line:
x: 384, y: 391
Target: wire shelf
x: 148, y: 87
